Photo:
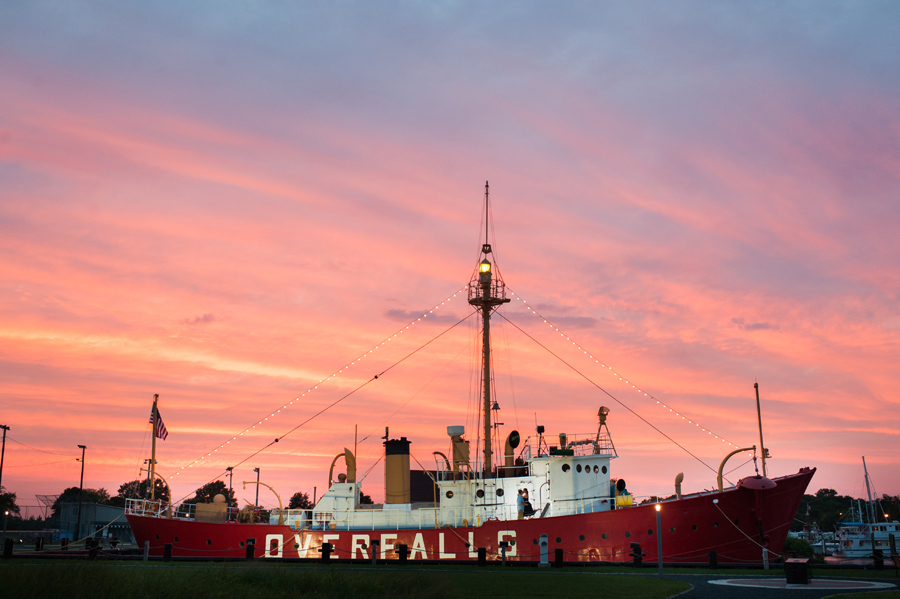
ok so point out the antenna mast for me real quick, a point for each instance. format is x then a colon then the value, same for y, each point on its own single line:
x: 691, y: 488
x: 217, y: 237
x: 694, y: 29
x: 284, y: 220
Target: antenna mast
x: 486, y: 294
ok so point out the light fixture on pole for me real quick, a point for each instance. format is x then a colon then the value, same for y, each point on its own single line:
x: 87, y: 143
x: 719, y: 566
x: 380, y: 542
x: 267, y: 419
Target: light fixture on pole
x: 80, y: 495
x: 257, y: 486
x: 230, y: 471
x: 659, y: 538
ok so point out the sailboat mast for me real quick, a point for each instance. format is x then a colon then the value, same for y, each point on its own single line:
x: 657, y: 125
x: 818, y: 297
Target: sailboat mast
x: 870, y: 509
x: 485, y: 293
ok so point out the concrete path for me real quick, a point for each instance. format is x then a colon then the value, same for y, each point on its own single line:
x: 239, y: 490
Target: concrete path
x: 750, y: 587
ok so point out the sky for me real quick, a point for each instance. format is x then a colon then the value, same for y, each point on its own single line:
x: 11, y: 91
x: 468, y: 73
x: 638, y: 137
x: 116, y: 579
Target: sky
x: 252, y: 208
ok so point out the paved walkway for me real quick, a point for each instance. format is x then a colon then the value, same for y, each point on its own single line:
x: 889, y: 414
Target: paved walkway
x: 749, y: 587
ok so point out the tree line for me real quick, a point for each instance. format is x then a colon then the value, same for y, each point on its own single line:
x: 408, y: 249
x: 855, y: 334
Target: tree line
x: 826, y: 509
x: 135, y: 489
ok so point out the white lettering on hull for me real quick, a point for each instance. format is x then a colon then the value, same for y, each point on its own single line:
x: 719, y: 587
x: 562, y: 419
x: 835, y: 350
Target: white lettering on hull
x: 441, y: 553
x: 301, y: 546
x: 387, y: 542
x: 418, y: 547
x: 501, y: 536
x: 279, y: 546
x: 359, y: 543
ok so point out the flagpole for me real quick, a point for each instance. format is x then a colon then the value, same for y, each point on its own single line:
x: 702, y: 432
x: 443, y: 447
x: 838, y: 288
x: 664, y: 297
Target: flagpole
x: 153, y: 449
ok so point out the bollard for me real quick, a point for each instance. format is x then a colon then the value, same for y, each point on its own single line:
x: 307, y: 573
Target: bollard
x: 250, y: 550
x: 94, y: 549
x: 8, y: 548
x: 146, y: 550
x: 482, y: 556
x: 167, y: 552
x: 545, y: 548
x: 39, y: 544
x: 375, y: 545
x: 558, y: 558
x: 637, y: 554
x: 64, y: 544
x: 402, y: 553
x: 325, y: 550
x: 713, y: 559
x: 503, y: 546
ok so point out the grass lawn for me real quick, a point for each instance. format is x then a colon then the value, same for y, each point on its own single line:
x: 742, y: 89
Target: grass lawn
x: 274, y: 581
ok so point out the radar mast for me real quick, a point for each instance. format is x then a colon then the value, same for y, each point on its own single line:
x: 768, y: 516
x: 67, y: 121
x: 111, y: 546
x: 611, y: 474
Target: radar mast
x: 486, y: 293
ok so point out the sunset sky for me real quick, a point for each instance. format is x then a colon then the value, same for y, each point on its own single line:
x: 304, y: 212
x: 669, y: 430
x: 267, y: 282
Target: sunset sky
x: 233, y: 204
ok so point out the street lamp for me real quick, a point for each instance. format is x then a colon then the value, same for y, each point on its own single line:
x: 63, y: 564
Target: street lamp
x: 658, y: 538
x: 257, y: 486
x: 230, y: 472
x: 80, y: 494
x: 5, y: 516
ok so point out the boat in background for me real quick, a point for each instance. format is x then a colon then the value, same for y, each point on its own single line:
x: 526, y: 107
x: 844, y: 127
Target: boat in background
x: 477, y: 509
x: 862, y: 535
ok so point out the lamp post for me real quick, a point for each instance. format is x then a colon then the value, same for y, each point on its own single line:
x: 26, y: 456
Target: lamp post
x: 257, y: 486
x: 230, y: 472
x: 5, y: 516
x: 659, y: 538
x: 2, y: 452
x: 80, y: 495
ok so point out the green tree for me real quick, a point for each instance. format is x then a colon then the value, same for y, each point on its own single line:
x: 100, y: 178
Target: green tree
x: 206, y: 493
x: 140, y: 489
x: 365, y: 499
x: 8, y: 502
x: 300, y: 501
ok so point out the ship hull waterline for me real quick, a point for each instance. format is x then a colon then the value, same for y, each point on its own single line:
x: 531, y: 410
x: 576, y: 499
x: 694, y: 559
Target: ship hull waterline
x: 735, y: 523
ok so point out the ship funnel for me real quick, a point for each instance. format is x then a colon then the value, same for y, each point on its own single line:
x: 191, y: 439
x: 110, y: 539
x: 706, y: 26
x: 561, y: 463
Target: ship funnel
x: 679, y: 478
x: 512, y: 441
x: 396, y: 470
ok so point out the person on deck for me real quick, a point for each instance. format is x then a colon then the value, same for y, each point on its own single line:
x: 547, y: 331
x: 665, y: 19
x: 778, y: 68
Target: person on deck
x: 520, y: 504
x: 527, y: 510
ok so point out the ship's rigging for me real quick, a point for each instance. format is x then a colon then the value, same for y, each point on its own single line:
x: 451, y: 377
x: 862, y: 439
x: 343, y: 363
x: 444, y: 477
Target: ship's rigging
x: 486, y: 292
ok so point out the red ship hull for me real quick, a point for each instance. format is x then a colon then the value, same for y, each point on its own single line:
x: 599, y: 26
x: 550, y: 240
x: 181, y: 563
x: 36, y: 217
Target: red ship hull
x: 735, y: 523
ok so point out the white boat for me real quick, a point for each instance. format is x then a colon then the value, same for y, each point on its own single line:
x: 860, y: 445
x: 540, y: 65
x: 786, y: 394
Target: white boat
x: 862, y: 535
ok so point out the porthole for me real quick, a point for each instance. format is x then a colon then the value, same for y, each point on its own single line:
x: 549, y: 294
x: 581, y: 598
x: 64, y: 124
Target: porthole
x: 534, y: 541
x: 558, y: 540
x: 449, y: 494
x: 672, y: 529
x: 715, y: 525
x: 693, y: 527
x: 580, y: 537
x: 241, y: 544
x: 566, y: 467
x: 649, y: 532
x: 479, y: 493
x: 603, y: 536
x: 627, y: 534
x: 176, y: 540
x: 208, y: 542
x: 737, y: 521
x: 296, y: 545
x: 603, y: 470
x: 578, y: 468
x: 157, y: 537
x: 596, y: 470
x: 499, y: 492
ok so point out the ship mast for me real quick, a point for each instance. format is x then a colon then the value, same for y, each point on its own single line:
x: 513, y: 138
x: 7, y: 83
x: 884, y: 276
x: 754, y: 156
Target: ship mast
x: 486, y: 294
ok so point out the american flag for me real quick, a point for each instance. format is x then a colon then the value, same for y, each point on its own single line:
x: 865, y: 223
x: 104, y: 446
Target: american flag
x: 161, y: 432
